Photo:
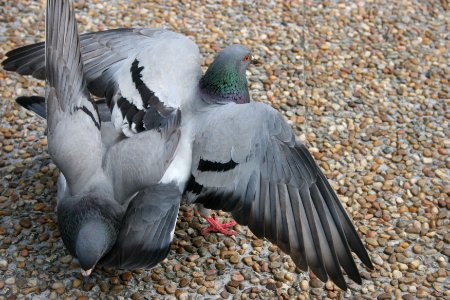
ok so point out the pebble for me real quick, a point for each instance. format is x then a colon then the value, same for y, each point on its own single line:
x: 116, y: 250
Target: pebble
x: 170, y: 288
x: 66, y: 259
x: 57, y: 285
x: 3, y: 264
x: 8, y: 148
x: 76, y: 283
x: 231, y: 289
x: 234, y: 259
x: 248, y: 260
x: 25, y: 223
x: 136, y: 296
x: 193, y: 257
x: 237, y: 277
x: 202, y: 290
x: 257, y: 243
x: 422, y: 292
x: 396, y: 274
x: 127, y: 276
x: 315, y: 283
x: 417, y: 249
x: 304, y: 285
x: 384, y: 296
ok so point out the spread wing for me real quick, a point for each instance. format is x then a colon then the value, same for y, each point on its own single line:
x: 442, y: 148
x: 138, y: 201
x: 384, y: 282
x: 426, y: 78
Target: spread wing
x: 147, y: 229
x: 144, y: 74
x: 247, y: 161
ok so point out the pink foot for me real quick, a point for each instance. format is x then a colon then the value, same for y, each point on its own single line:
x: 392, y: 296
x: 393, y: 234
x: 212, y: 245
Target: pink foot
x: 216, y: 227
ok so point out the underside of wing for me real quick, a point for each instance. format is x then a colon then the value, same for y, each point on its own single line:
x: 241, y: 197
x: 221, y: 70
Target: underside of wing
x: 147, y: 229
x: 250, y: 164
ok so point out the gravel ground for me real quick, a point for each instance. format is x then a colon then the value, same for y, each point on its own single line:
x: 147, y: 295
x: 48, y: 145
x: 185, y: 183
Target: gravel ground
x: 370, y: 95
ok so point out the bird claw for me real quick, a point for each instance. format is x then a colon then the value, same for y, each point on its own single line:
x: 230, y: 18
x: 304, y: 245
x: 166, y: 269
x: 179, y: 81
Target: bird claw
x: 214, y: 226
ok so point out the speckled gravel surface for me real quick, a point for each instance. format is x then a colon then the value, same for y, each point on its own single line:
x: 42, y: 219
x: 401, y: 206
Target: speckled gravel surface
x: 370, y: 95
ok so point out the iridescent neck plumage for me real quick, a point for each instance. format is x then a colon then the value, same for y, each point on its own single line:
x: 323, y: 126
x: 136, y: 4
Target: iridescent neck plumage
x: 222, y: 83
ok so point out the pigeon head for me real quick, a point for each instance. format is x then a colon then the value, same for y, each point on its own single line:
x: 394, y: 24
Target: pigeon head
x: 225, y: 79
x: 89, y: 226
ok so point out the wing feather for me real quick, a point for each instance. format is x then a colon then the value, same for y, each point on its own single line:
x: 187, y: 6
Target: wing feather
x: 283, y: 212
x: 303, y: 238
x: 72, y: 118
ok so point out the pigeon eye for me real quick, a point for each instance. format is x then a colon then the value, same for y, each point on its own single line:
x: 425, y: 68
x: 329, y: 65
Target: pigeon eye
x: 247, y: 57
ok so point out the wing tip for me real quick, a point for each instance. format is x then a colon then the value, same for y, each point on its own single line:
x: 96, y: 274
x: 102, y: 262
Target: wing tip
x: 8, y: 64
x: 367, y: 262
x: 341, y: 284
x: 33, y: 103
x: 361, y: 251
x: 353, y: 239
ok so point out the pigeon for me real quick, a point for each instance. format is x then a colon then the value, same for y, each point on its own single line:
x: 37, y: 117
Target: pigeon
x: 111, y: 209
x: 233, y: 154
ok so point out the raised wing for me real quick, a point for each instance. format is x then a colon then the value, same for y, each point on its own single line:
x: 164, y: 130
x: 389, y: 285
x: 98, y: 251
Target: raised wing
x: 247, y: 161
x: 74, y: 138
x: 147, y: 229
x: 144, y: 74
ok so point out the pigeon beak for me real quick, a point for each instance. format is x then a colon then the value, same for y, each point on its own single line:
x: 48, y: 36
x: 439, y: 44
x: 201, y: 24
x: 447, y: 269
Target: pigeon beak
x: 86, y: 273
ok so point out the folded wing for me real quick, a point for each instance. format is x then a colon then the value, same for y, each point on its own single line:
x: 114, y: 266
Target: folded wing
x: 147, y: 229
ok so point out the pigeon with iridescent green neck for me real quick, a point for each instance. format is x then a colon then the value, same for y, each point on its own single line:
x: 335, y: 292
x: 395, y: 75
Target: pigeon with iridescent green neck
x: 233, y: 154
x: 225, y: 79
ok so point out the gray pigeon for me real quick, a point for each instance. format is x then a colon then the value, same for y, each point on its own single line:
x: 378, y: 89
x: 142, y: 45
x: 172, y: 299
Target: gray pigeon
x: 111, y: 209
x: 233, y: 155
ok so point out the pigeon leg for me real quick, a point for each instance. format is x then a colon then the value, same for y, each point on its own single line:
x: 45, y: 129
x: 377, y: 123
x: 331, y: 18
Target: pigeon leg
x: 214, y: 226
